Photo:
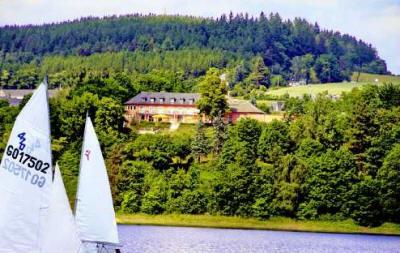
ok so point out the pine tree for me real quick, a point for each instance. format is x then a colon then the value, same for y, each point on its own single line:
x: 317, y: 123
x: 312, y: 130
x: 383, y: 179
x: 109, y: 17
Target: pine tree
x: 220, y: 132
x: 200, y: 144
x: 260, y: 75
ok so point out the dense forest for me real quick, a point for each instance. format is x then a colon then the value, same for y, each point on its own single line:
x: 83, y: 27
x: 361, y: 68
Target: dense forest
x: 290, y: 50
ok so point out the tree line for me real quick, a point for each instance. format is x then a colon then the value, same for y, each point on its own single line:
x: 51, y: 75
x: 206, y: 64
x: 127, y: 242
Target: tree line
x: 292, y: 49
x: 326, y: 160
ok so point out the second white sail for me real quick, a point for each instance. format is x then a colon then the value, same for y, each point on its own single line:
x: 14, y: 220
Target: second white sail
x: 94, y: 213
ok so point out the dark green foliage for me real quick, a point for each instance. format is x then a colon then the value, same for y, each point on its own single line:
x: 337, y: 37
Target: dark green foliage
x: 24, y: 100
x: 184, y: 196
x: 389, y: 94
x: 220, y: 132
x: 242, y: 143
x: 7, y: 118
x: 329, y: 180
x: 295, y: 107
x: 327, y: 69
x: 389, y: 175
x: 114, y: 160
x: 154, y: 199
x: 212, y: 102
x: 4, y: 103
x: 262, y: 206
x: 192, y: 202
x: 309, y: 147
x: 69, y: 165
x: 289, y: 176
x: 260, y: 74
x: 131, y: 185
x: 72, y: 117
x: 200, y: 145
x: 181, y: 146
x: 274, y: 141
x: 365, y: 203
x: 156, y: 149
x: 301, y: 67
x: 181, y: 43
x: 248, y: 133
x: 232, y: 191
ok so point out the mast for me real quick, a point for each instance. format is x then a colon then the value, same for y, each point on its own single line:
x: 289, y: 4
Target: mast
x: 80, y: 163
x: 46, y: 85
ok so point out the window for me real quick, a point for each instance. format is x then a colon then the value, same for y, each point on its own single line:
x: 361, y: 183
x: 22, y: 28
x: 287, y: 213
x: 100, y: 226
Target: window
x: 182, y: 100
x: 191, y: 101
x: 144, y: 99
x: 172, y: 100
x: 230, y: 118
x: 152, y: 100
x: 162, y: 100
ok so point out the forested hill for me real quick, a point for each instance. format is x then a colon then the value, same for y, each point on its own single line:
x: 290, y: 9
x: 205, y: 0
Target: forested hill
x: 276, y: 40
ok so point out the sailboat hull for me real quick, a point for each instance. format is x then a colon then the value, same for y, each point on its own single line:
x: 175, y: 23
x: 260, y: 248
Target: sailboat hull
x: 90, y: 247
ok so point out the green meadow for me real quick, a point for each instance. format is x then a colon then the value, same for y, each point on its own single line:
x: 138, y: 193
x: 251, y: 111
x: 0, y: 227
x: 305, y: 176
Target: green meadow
x: 274, y: 223
x: 314, y: 89
x: 334, y: 88
x: 372, y: 78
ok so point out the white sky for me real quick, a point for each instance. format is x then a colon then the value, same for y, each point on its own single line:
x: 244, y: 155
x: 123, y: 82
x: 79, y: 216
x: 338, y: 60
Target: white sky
x: 374, y: 21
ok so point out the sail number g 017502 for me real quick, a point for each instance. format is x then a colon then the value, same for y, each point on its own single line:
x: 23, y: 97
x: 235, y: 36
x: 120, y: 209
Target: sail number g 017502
x: 26, y: 159
x: 23, y: 173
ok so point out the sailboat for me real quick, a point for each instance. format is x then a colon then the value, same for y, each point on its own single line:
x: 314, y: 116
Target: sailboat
x: 94, y: 211
x: 26, y: 178
x: 60, y: 229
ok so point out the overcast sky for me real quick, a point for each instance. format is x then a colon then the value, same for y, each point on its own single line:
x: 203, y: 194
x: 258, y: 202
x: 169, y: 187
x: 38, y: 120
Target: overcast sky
x: 375, y: 21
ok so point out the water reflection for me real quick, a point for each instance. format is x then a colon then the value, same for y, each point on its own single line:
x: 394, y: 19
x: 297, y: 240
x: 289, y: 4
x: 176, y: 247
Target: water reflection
x: 153, y: 239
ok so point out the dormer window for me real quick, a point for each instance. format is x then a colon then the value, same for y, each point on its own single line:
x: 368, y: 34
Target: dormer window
x: 152, y: 100
x: 191, y: 101
x: 182, y: 100
x: 162, y: 100
x: 144, y: 99
x: 172, y: 100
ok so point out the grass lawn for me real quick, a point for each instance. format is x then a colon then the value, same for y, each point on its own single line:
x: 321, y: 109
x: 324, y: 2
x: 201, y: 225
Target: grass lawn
x: 335, y: 88
x: 275, y: 223
x: 271, y: 117
x: 366, y: 77
x: 314, y: 89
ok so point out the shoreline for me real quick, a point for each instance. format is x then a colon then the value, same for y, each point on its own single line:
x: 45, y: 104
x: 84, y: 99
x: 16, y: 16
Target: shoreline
x: 272, y: 224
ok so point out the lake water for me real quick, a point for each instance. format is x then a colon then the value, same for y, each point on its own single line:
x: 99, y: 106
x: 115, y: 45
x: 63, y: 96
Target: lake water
x: 155, y: 239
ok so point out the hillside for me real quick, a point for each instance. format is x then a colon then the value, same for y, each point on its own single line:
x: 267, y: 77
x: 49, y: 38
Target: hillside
x: 292, y: 49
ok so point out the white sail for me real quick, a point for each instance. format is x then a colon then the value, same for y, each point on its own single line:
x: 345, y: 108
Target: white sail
x: 94, y: 213
x: 60, y: 231
x: 25, y: 178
